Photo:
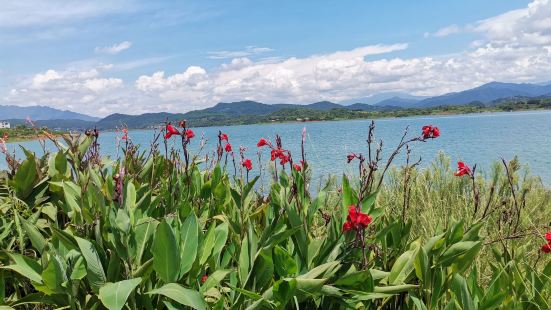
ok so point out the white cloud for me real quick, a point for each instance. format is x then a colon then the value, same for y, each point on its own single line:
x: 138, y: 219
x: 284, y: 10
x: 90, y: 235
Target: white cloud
x: 115, y: 48
x: 248, y: 51
x: 81, y: 91
x: 444, y: 32
x: 514, y: 47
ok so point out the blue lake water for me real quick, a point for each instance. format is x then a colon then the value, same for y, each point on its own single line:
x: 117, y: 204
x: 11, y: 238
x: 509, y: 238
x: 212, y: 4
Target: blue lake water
x: 475, y: 138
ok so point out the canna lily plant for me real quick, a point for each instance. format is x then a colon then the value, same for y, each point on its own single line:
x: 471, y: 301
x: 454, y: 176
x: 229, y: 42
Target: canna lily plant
x: 153, y: 230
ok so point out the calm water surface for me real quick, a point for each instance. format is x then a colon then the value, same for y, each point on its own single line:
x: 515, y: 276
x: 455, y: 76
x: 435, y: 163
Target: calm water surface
x: 480, y: 138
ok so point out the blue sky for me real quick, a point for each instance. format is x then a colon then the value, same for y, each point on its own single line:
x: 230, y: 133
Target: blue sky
x: 100, y: 57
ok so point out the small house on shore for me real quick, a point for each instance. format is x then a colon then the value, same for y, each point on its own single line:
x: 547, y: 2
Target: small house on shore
x: 4, y: 125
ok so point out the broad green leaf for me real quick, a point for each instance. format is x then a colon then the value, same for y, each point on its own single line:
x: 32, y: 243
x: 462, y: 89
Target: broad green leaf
x: 26, y: 267
x: 25, y: 178
x: 402, y: 268
x: 130, y: 199
x: 461, y: 291
x: 214, y: 279
x: 54, y: 276
x: 34, y: 234
x: 181, y: 295
x: 244, y: 260
x: 284, y: 263
x: 221, y: 236
x: 95, y: 272
x: 456, y: 250
x: 189, y: 237
x: 166, y: 253
x: 123, y: 220
x: 208, y: 244
x: 114, y: 295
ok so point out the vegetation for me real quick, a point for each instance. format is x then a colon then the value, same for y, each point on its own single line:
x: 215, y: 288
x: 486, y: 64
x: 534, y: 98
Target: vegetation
x: 246, y: 113
x: 22, y: 133
x: 166, y: 229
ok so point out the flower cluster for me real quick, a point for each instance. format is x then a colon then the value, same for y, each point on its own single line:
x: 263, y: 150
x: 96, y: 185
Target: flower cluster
x: 350, y: 157
x: 248, y: 164
x: 356, y: 220
x: 462, y: 169
x: 172, y: 131
x: 546, y: 248
x: 430, y: 132
x: 3, y: 147
x: 124, y: 134
x: 298, y: 167
x: 277, y: 152
x: 225, y: 137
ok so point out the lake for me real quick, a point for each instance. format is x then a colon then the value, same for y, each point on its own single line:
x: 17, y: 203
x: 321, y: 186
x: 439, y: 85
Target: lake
x: 475, y: 138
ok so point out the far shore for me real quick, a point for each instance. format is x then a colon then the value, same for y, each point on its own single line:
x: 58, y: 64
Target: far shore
x: 34, y: 137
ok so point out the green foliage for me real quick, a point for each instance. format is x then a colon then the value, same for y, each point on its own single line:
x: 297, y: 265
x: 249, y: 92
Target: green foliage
x: 203, y: 238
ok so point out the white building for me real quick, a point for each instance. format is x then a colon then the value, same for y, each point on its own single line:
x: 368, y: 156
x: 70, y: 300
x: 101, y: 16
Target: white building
x: 4, y: 125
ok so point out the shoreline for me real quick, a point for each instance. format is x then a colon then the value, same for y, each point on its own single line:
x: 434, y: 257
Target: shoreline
x: 380, y: 117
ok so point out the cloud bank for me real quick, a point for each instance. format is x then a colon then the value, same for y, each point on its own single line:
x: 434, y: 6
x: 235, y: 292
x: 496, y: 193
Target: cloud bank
x: 514, y: 46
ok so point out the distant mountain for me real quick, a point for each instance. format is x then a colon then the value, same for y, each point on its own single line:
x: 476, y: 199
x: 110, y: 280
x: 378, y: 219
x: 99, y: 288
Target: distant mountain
x: 40, y: 113
x: 57, y: 124
x: 377, y: 98
x: 137, y: 121
x: 247, y: 112
x: 486, y: 93
x: 398, y: 102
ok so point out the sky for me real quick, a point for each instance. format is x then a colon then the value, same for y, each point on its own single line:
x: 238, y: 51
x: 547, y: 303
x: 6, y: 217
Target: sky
x: 130, y: 56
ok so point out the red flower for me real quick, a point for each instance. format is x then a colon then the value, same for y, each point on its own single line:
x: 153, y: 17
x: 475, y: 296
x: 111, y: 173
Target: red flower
x: 247, y: 163
x: 462, y: 169
x: 5, y: 136
x: 297, y: 167
x: 223, y: 137
x: 350, y: 157
x: 548, y: 236
x: 125, y: 136
x: 228, y: 148
x: 356, y: 219
x: 546, y: 248
x: 275, y: 153
x: 204, y: 279
x: 284, y: 159
x: 430, y: 131
x: 190, y: 134
x: 262, y: 142
x: 170, y: 131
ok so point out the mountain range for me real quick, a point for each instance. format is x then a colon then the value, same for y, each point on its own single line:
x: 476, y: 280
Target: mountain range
x: 487, y: 94
x: 41, y: 113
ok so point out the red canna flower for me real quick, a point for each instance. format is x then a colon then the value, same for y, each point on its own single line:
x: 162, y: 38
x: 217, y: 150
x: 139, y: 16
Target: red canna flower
x: 297, y: 167
x: 430, y: 131
x: 262, y: 142
x: 190, y: 134
x: 546, y: 248
x: 350, y: 157
x: 284, y: 159
x: 356, y: 220
x: 462, y: 169
x: 247, y: 163
x: 228, y: 147
x: 204, y: 279
x: 170, y: 131
x: 223, y: 137
x: 125, y: 132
